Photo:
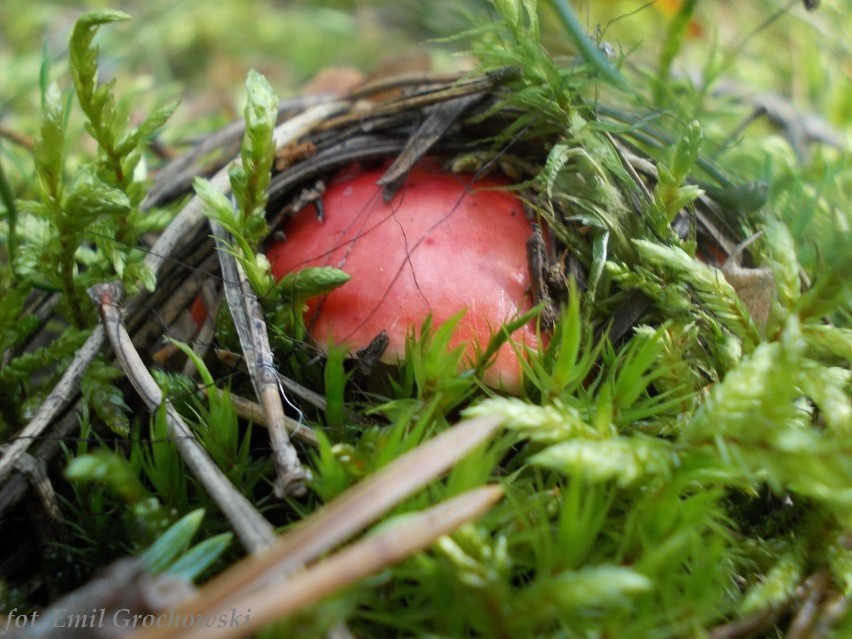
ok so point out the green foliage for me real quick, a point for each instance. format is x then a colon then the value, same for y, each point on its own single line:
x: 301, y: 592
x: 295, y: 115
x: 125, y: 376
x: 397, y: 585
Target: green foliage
x: 670, y: 193
x: 10, y: 211
x: 100, y: 201
x: 218, y: 430
x: 672, y: 44
x: 200, y: 558
x: 162, y: 465
x: 335, y: 378
x: 101, y: 393
x: 432, y: 366
x: 311, y: 282
x: 118, y: 144
x: 25, y: 366
x: 171, y: 552
x: 110, y: 512
x: 717, y: 298
x: 150, y: 488
x: 515, y: 42
x: 778, y: 585
x: 289, y: 295
x: 566, y: 371
x: 753, y: 430
x: 79, y: 227
x: 622, y: 460
x: 107, y: 467
x: 248, y: 181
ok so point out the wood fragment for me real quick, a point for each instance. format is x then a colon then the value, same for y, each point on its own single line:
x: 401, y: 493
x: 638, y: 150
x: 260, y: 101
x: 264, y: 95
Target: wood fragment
x: 48, y: 444
x: 370, y: 356
x: 96, y: 609
x: 750, y: 625
x: 833, y: 613
x: 58, y: 400
x: 630, y: 311
x: 203, y: 341
x: 250, y: 326
x: 542, y: 272
x: 439, y: 118
x: 423, y: 98
x: 16, y: 138
x: 177, y: 176
x: 391, y: 83
x: 372, y: 554
x: 357, y: 148
x: 814, y: 590
x: 33, y: 468
x: 314, y: 399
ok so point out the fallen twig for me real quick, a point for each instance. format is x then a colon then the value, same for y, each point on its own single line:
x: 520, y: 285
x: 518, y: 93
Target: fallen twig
x: 747, y: 626
x: 813, y: 591
x: 203, y: 341
x: 17, y: 485
x: 251, y: 329
x: 97, y: 609
x: 58, y: 399
x: 34, y: 469
x: 253, y: 530
x: 440, y: 117
x: 425, y: 98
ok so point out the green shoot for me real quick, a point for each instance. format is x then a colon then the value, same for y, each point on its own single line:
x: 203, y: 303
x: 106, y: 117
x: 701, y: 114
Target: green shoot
x: 671, y: 194
x: 247, y: 224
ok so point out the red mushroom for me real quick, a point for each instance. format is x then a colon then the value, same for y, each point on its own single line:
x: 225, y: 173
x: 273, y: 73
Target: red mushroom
x: 441, y: 245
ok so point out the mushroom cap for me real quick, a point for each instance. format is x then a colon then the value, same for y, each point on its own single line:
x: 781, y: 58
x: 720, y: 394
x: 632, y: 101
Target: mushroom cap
x: 444, y: 243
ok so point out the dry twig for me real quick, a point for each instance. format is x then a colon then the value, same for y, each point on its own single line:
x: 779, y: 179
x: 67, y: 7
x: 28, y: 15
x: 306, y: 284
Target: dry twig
x: 251, y: 329
x: 34, y: 469
x: 253, y: 530
x: 58, y: 399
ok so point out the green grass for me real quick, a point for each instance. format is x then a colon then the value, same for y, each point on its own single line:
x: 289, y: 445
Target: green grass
x: 696, y: 473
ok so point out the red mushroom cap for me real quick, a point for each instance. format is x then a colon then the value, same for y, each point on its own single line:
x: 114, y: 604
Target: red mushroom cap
x: 441, y: 245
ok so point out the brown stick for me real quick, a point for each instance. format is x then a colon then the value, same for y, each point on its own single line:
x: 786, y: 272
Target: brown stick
x: 58, y: 399
x: 253, y: 530
x: 251, y: 329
